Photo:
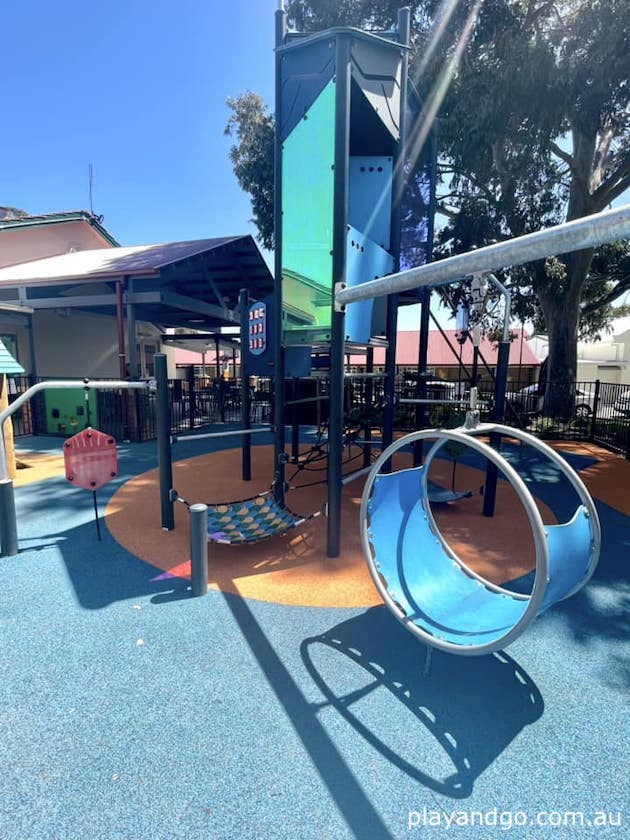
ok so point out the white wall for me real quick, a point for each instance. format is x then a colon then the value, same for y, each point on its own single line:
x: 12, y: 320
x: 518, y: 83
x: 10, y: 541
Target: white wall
x: 607, y: 360
x: 76, y: 345
x: 79, y: 344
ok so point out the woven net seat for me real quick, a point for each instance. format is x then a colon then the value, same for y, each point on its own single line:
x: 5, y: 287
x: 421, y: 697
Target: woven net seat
x: 250, y: 520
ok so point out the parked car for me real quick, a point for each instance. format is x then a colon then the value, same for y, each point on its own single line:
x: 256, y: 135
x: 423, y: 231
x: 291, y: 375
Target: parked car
x: 529, y: 401
x: 622, y: 404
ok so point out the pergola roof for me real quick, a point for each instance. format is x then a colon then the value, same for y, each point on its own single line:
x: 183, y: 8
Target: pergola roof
x: 187, y: 284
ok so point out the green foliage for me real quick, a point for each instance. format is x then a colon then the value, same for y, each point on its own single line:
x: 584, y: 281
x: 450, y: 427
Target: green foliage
x: 534, y: 129
x: 252, y: 127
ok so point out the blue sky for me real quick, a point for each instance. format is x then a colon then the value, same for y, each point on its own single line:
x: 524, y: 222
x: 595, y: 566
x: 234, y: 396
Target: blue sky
x: 138, y: 89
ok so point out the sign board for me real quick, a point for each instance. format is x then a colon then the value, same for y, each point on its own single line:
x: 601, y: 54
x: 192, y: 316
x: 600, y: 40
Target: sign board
x: 90, y: 459
x: 258, y: 328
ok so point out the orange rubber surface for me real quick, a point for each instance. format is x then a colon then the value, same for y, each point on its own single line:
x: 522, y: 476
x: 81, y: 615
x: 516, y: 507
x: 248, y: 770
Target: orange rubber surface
x: 293, y: 569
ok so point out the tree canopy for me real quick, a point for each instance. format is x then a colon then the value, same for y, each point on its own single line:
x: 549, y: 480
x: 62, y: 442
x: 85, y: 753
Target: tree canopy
x: 534, y: 129
x: 252, y: 127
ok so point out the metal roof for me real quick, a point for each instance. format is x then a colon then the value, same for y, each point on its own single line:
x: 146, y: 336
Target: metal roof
x: 102, y: 263
x: 7, y: 363
x: 191, y: 284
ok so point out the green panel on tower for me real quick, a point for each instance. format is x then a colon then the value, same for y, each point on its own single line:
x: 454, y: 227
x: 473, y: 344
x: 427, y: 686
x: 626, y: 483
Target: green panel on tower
x: 307, y: 221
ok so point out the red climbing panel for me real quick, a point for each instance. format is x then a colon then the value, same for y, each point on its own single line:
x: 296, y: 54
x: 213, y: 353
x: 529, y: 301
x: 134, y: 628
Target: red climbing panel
x: 90, y: 459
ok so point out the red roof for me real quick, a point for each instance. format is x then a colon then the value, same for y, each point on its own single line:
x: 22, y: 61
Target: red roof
x: 190, y: 357
x: 441, y: 355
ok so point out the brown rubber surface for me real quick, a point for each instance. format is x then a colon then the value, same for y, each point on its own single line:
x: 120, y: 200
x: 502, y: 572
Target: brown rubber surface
x: 294, y: 569
x: 609, y: 479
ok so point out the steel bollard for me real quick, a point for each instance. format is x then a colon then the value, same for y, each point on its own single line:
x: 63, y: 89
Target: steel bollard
x: 199, y: 549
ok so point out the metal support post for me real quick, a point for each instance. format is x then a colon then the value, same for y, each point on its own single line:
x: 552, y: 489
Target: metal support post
x: 163, y: 425
x: 338, y: 319
x: 421, y: 373
x: 492, y: 472
x: 278, y: 352
x: 199, y: 549
x: 390, y: 371
x: 369, y: 399
x: 8, y: 519
x: 246, y: 446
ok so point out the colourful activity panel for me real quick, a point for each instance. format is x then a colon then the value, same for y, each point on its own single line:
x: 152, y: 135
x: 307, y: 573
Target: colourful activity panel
x: 66, y: 410
x: 90, y: 459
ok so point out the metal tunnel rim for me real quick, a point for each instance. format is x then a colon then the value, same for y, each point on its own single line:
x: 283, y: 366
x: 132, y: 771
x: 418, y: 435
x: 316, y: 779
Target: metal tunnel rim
x: 572, y: 477
x: 541, y: 577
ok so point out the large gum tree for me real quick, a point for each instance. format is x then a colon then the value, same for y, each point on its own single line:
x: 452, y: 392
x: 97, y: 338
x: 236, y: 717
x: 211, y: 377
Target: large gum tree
x: 534, y: 129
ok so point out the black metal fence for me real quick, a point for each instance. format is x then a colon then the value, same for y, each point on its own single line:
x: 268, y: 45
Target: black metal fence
x: 596, y: 411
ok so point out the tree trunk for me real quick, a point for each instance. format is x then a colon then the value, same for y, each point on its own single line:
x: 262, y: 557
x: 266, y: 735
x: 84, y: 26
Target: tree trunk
x: 561, y: 311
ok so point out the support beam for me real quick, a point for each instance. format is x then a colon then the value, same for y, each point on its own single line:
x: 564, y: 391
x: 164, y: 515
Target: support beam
x: 120, y: 320
x: 199, y: 307
x: 131, y: 331
x: 337, y: 334
x: 280, y: 21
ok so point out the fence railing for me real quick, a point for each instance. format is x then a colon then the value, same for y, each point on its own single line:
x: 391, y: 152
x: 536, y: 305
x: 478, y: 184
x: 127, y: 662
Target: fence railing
x: 601, y: 410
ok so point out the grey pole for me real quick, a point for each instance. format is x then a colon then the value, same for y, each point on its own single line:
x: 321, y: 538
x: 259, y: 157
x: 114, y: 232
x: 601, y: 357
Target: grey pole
x: 163, y: 424
x: 278, y: 352
x: 246, y: 446
x: 338, y: 327
x: 492, y: 471
x: 199, y: 549
x: 8, y: 519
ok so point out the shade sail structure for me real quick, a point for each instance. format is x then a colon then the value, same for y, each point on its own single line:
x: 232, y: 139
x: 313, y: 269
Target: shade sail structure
x: 191, y: 284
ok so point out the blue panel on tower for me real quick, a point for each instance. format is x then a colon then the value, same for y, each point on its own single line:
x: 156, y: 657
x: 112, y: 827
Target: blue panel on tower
x: 365, y: 261
x: 370, y: 197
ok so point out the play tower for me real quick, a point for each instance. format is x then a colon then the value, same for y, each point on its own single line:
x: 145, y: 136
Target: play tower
x: 340, y: 111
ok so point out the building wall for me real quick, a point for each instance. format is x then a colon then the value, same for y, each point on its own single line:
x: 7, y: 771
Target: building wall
x: 34, y: 243
x: 82, y: 344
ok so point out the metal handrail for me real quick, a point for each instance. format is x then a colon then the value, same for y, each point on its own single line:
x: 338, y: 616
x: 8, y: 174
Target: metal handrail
x: 586, y: 232
x: 8, y: 518
x: 60, y: 384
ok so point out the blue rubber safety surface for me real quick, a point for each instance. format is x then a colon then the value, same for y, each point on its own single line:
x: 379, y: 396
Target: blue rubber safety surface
x: 129, y: 709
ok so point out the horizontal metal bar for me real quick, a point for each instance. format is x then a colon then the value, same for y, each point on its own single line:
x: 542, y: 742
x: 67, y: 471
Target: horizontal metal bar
x: 231, y: 433
x: 365, y: 375
x: 199, y: 307
x: 570, y: 236
x: 78, y: 301
x: 71, y: 301
x: 16, y: 307
x: 59, y: 384
x: 307, y: 400
x: 413, y: 401
x: 347, y: 479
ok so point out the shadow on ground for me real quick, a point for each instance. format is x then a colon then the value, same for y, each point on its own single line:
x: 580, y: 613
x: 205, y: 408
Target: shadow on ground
x: 473, y: 707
